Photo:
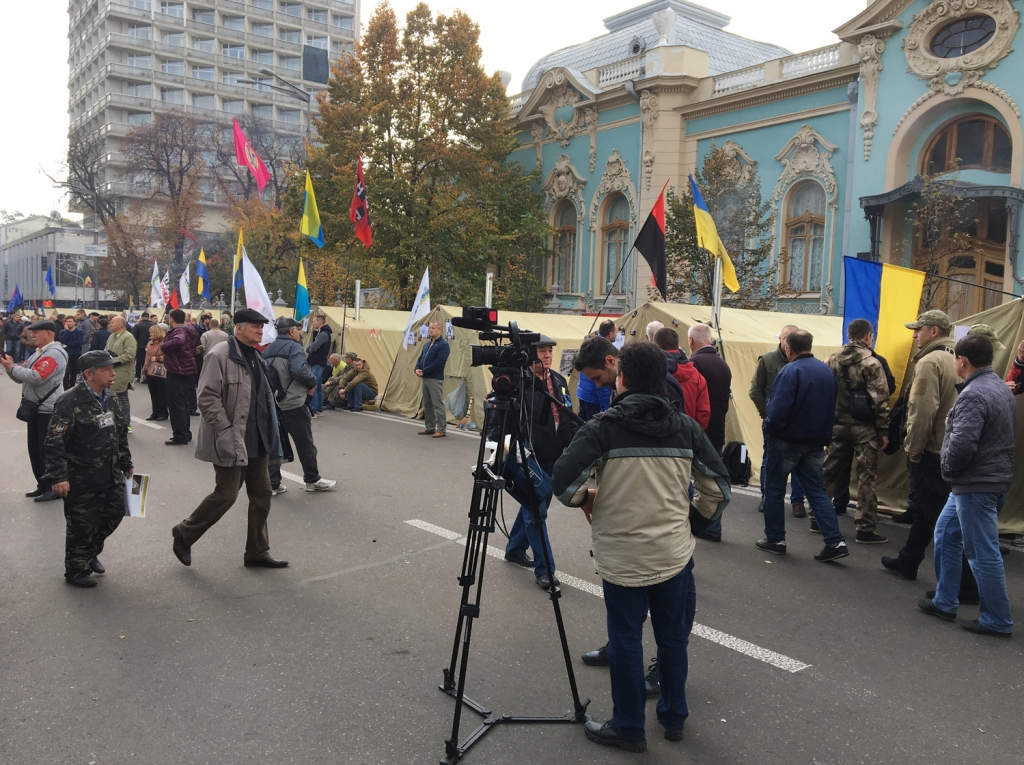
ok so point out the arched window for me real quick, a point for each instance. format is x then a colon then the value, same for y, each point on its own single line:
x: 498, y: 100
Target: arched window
x: 805, y: 237
x: 977, y: 141
x: 615, y: 242
x: 564, y: 263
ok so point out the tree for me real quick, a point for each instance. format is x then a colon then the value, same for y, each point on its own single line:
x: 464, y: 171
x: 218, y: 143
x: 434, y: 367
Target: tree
x: 169, y: 154
x: 746, y: 226
x: 278, y: 152
x: 86, y: 158
x: 271, y: 242
x: 131, y: 250
x: 433, y: 130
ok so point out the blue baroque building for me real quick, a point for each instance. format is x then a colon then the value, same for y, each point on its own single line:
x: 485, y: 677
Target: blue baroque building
x: 839, y: 136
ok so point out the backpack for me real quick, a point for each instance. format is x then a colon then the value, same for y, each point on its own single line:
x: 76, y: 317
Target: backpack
x: 859, y: 404
x: 736, y: 457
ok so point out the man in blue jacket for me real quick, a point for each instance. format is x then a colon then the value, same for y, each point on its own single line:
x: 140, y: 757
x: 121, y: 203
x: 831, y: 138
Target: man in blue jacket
x: 800, y: 416
x: 430, y: 369
x: 593, y: 399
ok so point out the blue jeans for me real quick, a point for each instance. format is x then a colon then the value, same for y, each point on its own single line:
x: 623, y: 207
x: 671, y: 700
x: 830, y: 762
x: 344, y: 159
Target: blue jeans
x: 797, y: 493
x: 524, y: 532
x: 316, y: 406
x: 357, y: 394
x: 672, y: 605
x: 969, y: 524
x: 805, y: 464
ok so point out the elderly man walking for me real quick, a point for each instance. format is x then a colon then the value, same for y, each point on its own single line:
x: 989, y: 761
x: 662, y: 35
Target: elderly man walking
x: 977, y: 463
x: 41, y: 376
x: 430, y: 369
x: 122, y: 346
x: 239, y: 434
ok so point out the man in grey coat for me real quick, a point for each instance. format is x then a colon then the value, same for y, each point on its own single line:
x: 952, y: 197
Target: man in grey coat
x: 238, y: 433
x: 977, y: 463
x: 286, y: 358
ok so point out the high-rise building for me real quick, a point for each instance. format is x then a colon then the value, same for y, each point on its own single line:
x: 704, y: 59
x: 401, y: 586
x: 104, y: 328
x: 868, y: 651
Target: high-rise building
x: 132, y: 59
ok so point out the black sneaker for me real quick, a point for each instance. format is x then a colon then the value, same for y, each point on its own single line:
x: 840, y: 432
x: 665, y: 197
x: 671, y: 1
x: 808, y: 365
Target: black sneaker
x: 832, y: 552
x: 776, y: 548
x: 652, y: 680
x: 926, y: 605
x: 965, y: 600
x: 598, y: 658
x: 814, y: 526
x: 895, y: 566
x: 975, y: 626
x: 870, y: 538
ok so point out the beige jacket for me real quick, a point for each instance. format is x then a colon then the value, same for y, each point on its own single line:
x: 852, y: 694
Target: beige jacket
x: 932, y: 393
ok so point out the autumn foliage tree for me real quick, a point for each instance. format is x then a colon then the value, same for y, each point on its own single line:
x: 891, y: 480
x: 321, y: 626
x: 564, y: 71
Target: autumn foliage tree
x: 432, y: 128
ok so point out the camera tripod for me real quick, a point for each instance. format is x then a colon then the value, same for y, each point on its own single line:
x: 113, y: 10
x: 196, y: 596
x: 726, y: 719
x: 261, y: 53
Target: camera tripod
x: 488, y: 483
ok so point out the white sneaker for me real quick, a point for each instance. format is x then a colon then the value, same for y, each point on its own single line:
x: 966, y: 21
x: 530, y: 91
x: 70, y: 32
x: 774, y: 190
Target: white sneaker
x: 279, y: 490
x: 322, y: 485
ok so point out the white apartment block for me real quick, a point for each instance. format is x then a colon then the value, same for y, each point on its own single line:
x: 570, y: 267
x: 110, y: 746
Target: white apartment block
x: 131, y: 59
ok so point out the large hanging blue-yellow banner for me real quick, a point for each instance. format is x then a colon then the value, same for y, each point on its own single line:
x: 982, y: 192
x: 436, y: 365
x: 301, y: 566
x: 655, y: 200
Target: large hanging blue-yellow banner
x: 889, y: 297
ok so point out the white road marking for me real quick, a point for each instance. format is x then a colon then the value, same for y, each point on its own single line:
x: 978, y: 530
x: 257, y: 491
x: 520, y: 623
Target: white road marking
x: 451, y: 430
x: 292, y: 477
x: 152, y: 425
x: 728, y: 641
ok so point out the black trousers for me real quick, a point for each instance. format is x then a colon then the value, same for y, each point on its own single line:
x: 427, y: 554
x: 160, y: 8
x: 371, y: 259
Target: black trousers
x: 193, y: 384
x: 158, y: 395
x: 297, y: 423
x: 37, y: 431
x: 177, y: 406
x: 930, y: 495
x: 70, y: 372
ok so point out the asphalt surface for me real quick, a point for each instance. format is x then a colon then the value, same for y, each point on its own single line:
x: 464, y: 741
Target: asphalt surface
x: 337, y: 659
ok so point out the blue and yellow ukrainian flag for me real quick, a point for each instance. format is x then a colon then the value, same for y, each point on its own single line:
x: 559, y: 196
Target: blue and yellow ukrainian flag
x: 301, y: 294
x: 889, y: 297
x: 202, y: 275
x: 708, y: 239
x: 238, y: 261
x: 310, y: 224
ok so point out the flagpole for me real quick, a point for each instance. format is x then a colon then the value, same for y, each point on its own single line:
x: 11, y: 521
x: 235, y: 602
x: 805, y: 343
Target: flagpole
x: 605, y: 301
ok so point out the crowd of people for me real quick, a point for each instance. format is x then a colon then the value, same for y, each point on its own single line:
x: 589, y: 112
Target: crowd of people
x: 643, y: 458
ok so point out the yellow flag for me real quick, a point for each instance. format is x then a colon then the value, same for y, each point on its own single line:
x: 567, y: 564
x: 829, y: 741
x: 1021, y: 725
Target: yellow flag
x: 707, y: 237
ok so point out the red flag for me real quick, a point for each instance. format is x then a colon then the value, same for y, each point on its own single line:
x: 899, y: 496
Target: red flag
x: 174, y: 298
x: 650, y: 243
x: 359, y: 213
x: 246, y: 157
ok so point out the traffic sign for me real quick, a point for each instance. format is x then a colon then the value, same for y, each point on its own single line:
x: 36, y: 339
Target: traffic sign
x: 96, y: 250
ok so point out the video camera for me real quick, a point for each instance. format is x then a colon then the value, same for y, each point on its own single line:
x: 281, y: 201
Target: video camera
x: 511, y: 352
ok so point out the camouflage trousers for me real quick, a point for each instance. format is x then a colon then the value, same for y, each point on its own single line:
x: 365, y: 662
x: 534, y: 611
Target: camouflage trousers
x: 92, y: 516
x: 854, y: 444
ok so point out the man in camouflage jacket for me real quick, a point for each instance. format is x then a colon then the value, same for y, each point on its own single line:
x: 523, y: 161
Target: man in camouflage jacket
x: 859, y: 440
x: 87, y: 461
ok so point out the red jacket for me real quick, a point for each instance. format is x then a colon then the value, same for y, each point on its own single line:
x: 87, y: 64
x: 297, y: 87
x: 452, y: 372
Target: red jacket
x: 1014, y: 376
x: 695, y: 390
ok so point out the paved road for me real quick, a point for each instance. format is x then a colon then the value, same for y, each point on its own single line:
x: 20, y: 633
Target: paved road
x: 337, y: 658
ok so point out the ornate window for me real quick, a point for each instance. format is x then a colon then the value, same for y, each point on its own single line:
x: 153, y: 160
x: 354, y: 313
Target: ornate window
x: 976, y: 141
x: 805, y: 237
x: 963, y: 36
x: 563, y: 269
x: 615, y: 242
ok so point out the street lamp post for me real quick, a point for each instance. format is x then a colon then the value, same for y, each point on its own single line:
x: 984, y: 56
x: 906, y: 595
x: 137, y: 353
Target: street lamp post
x: 290, y: 89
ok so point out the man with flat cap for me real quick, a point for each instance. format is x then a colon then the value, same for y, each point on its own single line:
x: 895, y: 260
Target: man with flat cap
x: 87, y: 462
x: 238, y: 433
x: 41, y: 376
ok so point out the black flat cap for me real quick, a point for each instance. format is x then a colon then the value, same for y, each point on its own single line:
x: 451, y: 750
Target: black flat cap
x: 249, y: 316
x: 286, y: 323
x: 43, y: 326
x: 93, y: 359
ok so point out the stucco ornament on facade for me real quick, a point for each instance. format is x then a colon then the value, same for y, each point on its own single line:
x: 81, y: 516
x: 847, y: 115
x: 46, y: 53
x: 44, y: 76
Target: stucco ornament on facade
x: 537, y: 131
x: 648, y: 116
x: 616, y: 179
x: 741, y: 165
x: 802, y: 158
x: 951, y: 76
x: 565, y: 95
x: 564, y: 182
x: 870, y: 48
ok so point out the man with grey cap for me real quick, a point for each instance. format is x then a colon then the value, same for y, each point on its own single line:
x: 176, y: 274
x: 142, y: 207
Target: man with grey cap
x: 286, y: 357
x: 930, y: 392
x: 41, y: 376
x: 238, y: 433
x: 87, y: 462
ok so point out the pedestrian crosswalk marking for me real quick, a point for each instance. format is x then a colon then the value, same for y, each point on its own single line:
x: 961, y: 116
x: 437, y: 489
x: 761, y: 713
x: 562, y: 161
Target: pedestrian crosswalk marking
x: 715, y: 636
x: 152, y: 425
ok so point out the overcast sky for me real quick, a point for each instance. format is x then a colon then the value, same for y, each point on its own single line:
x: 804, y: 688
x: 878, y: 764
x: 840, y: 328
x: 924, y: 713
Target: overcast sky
x: 34, y: 69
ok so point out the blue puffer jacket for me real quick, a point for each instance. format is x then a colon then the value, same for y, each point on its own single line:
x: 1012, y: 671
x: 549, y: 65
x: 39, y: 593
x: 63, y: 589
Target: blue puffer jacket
x: 587, y: 390
x: 802, y: 403
x: 433, y: 358
x: 977, y: 450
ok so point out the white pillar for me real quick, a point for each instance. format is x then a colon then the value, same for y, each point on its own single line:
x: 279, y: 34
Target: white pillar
x: 359, y: 298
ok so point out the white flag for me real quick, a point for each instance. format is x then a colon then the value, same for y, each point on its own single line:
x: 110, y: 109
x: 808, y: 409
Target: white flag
x: 183, y: 285
x: 165, y: 289
x: 256, y: 297
x: 155, y: 296
x: 420, y: 306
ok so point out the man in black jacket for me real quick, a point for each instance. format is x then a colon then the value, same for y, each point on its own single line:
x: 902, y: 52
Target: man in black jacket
x: 549, y: 430
x: 716, y: 372
x: 141, y: 334
x: 318, y: 351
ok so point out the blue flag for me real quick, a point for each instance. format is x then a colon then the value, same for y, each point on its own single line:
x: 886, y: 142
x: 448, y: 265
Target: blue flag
x: 49, y: 280
x: 16, y: 300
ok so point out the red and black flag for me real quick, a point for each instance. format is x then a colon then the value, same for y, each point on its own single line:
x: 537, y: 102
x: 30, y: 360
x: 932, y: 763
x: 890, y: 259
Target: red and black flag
x: 359, y: 213
x: 650, y: 243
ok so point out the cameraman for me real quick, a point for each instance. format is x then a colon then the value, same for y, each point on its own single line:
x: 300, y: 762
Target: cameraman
x: 546, y: 433
x: 644, y: 454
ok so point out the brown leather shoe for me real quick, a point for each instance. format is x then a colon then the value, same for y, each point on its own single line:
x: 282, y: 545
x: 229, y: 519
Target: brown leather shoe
x: 440, y: 434
x: 426, y: 433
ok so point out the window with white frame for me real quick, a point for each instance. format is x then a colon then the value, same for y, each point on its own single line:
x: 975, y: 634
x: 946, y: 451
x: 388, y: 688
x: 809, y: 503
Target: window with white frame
x: 233, y: 107
x: 263, y: 83
x: 233, y: 51
x: 173, y: 9
x: 316, y: 41
x: 172, y: 67
x: 263, y: 56
x: 174, y: 38
x: 317, y: 14
x: 343, y: 22
x: 203, y: 73
x: 145, y: 5
x: 263, y: 30
x: 291, y: 9
x: 139, y: 118
x: 204, y: 101
x: 563, y: 264
x: 207, y: 44
x: 204, y: 16
x: 805, y: 237
x: 140, y: 31
x: 232, y: 78
x: 140, y: 89
x: 265, y: 4
x: 341, y: 46
x: 290, y: 62
x: 615, y: 242
x: 140, y: 61
x: 263, y: 111
x: 290, y: 116
x: 172, y: 95
x: 290, y: 35
x: 233, y: 22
